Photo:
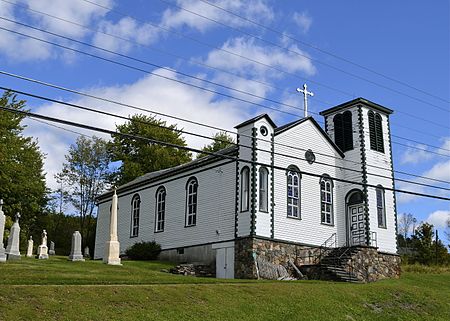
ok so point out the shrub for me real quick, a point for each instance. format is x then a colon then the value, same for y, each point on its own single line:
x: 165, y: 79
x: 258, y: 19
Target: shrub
x: 143, y: 251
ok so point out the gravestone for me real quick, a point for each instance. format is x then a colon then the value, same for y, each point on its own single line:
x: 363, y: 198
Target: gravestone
x: 51, y: 250
x: 86, y: 252
x: 43, y: 249
x: 2, y: 231
x: 12, y: 250
x: 30, y: 247
x: 75, y: 251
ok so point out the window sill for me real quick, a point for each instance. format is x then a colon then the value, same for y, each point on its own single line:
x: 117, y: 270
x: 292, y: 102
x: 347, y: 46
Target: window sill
x: 192, y: 225
x: 159, y: 231
x: 133, y: 236
x: 244, y: 211
x: 327, y: 224
x: 383, y: 227
x: 294, y: 218
x: 264, y: 211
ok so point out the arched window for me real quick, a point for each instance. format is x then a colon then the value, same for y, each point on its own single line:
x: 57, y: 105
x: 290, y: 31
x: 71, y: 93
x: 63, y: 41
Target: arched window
x: 376, y: 132
x: 381, y: 210
x: 326, y: 200
x: 245, y: 189
x: 160, y: 216
x: 135, y: 209
x: 263, y: 189
x: 293, y: 192
x: 191, y: 201
x: 343, y: 131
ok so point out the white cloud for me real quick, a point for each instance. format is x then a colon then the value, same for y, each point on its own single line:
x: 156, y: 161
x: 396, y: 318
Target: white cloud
x: 126, y: 28
x: 303, y: 20
x: 439, y: 218
x: 149, y: 92
x: 82, y: 12
x: 252, y: 9
x: 266, y: 56
x: 416, y: 155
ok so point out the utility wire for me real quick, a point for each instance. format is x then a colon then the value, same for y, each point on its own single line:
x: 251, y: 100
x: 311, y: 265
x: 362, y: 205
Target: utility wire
x: 115, y: 102
x: 202, y: 136
x: 197, y: 123
x: 218, y: 155
x: 197, y: 63
x: 322, y: 50
x: 285, y: 48
x: 184, y: 74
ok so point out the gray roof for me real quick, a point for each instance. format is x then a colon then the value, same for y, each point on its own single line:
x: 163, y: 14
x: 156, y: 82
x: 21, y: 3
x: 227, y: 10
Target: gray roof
x: 355, y: 101
x: 152, y: 176
x: 256, y: 119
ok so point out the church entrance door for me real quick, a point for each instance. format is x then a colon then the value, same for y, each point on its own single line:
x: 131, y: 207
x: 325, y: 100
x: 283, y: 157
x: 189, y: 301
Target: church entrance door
x: 357, y: 224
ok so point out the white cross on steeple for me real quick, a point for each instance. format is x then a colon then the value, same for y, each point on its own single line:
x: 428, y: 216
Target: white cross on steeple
x: 305, y: 93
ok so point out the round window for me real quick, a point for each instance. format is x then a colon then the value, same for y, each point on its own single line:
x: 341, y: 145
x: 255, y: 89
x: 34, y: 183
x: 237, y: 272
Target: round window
x: 263, y: 130
x: 310, y: 157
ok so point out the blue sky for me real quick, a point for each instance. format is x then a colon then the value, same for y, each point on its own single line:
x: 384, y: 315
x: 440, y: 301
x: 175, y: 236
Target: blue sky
x: 404, y: 40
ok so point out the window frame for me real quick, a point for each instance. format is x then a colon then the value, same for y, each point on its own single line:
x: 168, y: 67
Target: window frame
x: 135, y: 215
x: 293, y: 171
x: 194, y: 204
x: 245, y: 172
x: 326, y: 180
x: 381, y: 206
x: 160, y: 214
x: 263, y: 190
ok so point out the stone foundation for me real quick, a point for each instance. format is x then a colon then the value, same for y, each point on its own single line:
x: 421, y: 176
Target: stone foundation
x: 275, y: 252
x: 369, y: 265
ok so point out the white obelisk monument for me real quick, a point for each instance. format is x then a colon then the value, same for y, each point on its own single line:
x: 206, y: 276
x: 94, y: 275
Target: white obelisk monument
x: 43, y: 249
x: 112, y: 246
x: 2, y: 231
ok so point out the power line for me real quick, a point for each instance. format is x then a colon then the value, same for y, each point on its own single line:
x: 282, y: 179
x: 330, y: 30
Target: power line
x: 202, y: 136
x: 258, y: 62
x: 322, y: 50
x: 219, y: 155
x: 197, y: 63
x: 309, y: 58
x: 184, y: 74
x: 115, y: 102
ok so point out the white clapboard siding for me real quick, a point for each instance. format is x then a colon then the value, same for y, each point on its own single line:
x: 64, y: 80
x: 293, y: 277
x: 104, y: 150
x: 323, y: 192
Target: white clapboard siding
x: 309, y: 229
x: 215, y: 211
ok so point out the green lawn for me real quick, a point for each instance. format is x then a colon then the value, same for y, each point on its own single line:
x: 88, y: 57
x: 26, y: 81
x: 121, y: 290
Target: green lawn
x: 56, y: 289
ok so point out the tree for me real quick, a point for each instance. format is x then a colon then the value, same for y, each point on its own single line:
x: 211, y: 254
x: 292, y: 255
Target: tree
x: 139, y: 156
x: 221, y: 140
x: 22, y: 176
x: 405, y: 223
x: 86, y: 173
x: 428, y: 251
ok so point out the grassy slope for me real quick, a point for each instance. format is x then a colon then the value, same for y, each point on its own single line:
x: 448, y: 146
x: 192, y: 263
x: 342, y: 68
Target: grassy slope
x: 61, y: 290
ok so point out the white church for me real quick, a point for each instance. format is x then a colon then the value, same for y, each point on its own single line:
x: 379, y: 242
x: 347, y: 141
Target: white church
x: 295, y: 193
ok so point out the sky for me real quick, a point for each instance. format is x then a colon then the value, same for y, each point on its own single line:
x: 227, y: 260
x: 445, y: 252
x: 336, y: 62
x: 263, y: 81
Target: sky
x: 394, y: 53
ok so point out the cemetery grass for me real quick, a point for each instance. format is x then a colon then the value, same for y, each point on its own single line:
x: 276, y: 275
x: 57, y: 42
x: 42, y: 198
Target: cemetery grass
x: 56, y: 289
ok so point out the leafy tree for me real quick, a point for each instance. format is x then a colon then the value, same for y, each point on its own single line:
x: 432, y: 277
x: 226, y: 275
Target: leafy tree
x: 22, y: 177
x: 139, y: 156
x: 428, y: 251
x: 86, y: 173
x: 221, y: 140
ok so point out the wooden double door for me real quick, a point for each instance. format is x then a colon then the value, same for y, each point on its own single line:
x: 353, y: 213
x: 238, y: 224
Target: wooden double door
x: 357, y: 224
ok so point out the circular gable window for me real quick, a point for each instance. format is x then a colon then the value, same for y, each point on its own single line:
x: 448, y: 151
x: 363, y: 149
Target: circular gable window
x: 310, y: 157
x: 263, y: 130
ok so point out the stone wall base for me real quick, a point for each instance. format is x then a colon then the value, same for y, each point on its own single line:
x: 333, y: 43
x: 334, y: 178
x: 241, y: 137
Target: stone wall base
x: 367, y: 264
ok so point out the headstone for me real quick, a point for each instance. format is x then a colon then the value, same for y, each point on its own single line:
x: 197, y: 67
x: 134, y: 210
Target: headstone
x: 51, y: 250
x: 86, y: 252
x: 2, y: 231
x: 75, y: 251
x: 112, y: 246
x: 43, y: 249
x: 12, y: 250
x: 30, y: 247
